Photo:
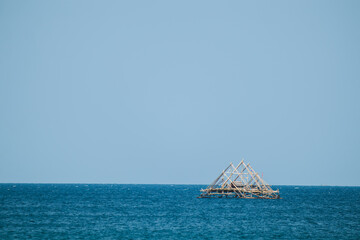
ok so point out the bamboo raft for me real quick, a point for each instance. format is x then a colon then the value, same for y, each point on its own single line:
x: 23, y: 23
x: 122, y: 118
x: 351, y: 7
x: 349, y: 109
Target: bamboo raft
x: 239, y: 182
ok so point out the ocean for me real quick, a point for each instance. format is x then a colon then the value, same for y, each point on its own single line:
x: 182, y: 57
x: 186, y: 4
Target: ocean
x: 115, y: 211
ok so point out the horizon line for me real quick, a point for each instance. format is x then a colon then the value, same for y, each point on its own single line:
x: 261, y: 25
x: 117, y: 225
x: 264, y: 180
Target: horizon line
x: 82, y: 183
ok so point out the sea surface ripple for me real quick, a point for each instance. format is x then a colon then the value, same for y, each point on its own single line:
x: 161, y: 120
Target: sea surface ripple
x: 113, y: 211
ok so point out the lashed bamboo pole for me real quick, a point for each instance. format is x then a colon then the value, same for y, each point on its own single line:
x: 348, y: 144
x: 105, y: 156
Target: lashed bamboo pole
x: 231, y: 173
x: 219, y: 176
x: 227, y: 185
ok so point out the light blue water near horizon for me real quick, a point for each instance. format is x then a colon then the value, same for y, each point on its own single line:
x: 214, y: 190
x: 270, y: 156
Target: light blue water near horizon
x: 116, y: 211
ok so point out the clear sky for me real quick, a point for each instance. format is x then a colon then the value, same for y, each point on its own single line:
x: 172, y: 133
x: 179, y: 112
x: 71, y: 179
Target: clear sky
x: 173, y: 91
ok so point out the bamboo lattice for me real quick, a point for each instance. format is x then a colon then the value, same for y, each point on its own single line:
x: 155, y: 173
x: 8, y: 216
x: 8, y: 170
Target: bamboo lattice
x: 239, y: 182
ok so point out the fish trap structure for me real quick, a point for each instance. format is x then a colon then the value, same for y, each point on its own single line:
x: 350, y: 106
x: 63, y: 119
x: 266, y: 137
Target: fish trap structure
x: 239, y: 182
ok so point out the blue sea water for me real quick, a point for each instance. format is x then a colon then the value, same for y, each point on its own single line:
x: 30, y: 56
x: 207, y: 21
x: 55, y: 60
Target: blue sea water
x: 80, y: 211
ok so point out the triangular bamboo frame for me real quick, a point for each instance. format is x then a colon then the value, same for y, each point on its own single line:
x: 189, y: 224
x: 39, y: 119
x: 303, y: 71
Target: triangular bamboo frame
x: 239, y: 182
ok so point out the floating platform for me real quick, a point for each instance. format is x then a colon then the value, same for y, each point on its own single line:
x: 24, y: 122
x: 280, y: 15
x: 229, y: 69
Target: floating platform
x: 239, y: 182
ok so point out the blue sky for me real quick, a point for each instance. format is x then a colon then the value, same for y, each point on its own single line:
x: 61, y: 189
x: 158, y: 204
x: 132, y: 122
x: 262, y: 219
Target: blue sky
x: 173, y: 91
